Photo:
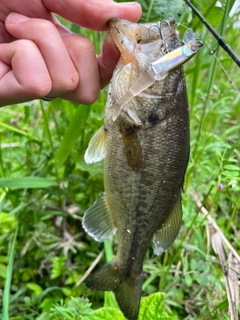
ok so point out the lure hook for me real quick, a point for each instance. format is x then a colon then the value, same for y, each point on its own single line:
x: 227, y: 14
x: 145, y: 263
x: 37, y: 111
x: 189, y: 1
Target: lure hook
x: 159, y: 28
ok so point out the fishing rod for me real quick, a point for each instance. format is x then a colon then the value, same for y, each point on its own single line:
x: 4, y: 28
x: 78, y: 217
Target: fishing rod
x: 216, y: 35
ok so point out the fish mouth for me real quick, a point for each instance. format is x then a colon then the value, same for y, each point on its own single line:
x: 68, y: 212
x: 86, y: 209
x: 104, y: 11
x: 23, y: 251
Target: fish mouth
x: 123, y: 33
x: 131, y: 38
x: 121, y: 29
x: 112, y: 22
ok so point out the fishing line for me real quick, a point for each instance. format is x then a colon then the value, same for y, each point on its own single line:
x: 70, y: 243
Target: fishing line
x: 181, y: 24
x: 224, y: 70
x: 217, y: 36
x: 212, y: 53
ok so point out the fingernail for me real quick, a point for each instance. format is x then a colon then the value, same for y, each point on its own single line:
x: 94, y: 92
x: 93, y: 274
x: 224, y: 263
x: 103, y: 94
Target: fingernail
x: 16, y: 18
x: 63, y: 31
x: 128, y: 4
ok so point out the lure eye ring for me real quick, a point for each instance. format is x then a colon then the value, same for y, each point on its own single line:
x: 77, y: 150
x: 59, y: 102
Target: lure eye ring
x: 194, y: 48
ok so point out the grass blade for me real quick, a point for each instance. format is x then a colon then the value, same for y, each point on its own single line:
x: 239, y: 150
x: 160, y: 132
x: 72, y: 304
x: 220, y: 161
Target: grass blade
x: 27, y: 182
x: 6, y: 295
x: 72, y: 134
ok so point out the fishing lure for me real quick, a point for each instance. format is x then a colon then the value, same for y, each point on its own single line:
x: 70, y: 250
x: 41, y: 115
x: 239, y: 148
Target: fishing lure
x: 159, y: 69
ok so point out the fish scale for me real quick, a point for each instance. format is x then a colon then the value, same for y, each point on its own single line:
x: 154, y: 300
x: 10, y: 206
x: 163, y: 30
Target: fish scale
x: 144, y: 163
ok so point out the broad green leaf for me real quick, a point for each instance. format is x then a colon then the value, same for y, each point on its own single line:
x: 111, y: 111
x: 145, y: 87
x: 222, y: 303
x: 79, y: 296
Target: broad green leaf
x: 214, y: 17
x: 35, y: 287
x: 157, y: 10
x: 72, y: 134
x: 67, y: 292
x: 3, y: 259
x: 193, y: 264
x: 43, y: 316
x: 231, y: 167
x: 230, y: 174
x: 152, y: 308
x: 210, y: 11
x: 188, y: 280
x: 27, y: 182
x: 109, y: 300
x: 95, y: 169
x: 7, y: 223
x: 105, y: 314
x: 46, y: 305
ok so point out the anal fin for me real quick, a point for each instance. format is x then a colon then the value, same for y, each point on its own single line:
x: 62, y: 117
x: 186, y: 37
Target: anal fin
x: 165, y: 236
x: 97, y: 147
x: 97, y: 221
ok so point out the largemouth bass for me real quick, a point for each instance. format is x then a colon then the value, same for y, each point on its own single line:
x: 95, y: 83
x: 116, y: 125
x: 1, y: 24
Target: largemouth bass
x: 145, y: 151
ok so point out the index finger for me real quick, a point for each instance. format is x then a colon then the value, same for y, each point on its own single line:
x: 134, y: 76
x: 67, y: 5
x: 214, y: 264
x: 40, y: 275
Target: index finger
x: 94, y: 14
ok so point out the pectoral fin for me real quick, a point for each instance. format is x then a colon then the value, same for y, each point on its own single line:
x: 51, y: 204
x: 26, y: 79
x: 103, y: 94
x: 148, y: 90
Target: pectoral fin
x: 97, y: 221
x: 164, y: 237
x: 97, y: 147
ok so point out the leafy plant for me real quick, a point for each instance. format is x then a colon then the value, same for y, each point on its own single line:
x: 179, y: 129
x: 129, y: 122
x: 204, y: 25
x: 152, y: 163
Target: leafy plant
x: 79, y: 309
x: 46, y: 187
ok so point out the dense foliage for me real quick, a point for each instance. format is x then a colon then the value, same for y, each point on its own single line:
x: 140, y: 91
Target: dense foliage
x: 46, y: 187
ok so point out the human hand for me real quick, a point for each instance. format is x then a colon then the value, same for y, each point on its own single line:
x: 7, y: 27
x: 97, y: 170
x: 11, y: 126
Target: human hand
x: 39, y: 57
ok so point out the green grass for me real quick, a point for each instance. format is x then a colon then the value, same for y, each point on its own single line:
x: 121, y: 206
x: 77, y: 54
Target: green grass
x: 46, y: 187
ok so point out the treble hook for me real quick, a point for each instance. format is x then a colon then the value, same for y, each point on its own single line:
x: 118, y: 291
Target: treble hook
x: 159, y: 28
x: 154, y: 26
x: 165, y: 46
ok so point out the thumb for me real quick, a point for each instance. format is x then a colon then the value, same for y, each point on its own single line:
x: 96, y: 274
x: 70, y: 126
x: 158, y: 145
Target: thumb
x: 94, y: 14
x: 107, y: 60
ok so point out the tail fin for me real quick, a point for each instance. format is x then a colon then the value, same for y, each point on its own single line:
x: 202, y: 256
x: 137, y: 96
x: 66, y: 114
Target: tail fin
x: 127, y: 290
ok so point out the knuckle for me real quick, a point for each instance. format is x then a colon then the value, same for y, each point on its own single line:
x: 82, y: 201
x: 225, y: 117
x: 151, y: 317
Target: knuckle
x: 70, y: 82
x: 89, y: 96
x: 86, y: 45
x: 25, y: 46
x: 37, y: 83
x: 40, y: 89
x: 46, y: 26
